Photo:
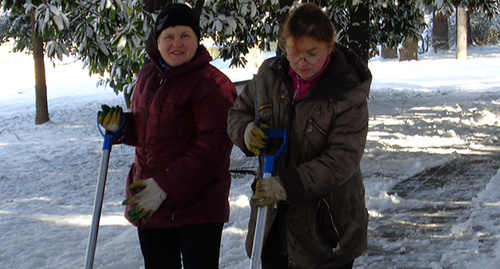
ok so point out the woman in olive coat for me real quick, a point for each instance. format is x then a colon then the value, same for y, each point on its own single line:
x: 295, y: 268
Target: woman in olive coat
x: 318, y: 92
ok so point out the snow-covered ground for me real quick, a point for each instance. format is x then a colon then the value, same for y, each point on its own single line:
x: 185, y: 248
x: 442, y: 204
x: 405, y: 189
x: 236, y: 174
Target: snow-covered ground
x: 423, y: 114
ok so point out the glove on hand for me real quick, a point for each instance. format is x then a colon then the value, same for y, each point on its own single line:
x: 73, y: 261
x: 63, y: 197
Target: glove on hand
x: 269, y: 191
x: 255, y: 138
x: 145, y: 202
x: 110, y: 118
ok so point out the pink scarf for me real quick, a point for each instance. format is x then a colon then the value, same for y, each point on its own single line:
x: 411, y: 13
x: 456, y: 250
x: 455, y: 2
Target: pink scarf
x: 301, y: 86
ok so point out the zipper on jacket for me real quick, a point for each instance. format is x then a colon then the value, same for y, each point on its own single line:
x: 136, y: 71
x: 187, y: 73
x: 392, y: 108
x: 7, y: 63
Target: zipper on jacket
x: 146, y: 116
x: 298, y: 91
x: 317, y: 127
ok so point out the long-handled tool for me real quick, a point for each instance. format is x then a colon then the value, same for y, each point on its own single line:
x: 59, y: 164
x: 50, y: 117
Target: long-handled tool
x: 269, y: 164
x: 99, y: 193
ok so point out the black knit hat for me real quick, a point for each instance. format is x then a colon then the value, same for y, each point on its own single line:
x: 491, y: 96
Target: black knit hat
x: 176, y: 14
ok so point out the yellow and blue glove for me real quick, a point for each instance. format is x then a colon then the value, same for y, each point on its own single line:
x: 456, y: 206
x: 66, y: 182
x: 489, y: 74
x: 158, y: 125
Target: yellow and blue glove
x: 147, y: 201
x: 269, y: 191
x: 255, y: 138
x: 110, y: 118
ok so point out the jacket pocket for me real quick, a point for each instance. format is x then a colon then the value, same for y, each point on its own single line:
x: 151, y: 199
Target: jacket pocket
x: 315, y: 138
x: 266, y: 111
x: 315, y: 126
x: 326, y: 224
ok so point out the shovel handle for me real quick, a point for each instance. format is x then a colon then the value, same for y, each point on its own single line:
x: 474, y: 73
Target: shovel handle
x: 99, y: 193
x: 270, y: 161
x: 260, y: 225
x: 96, y: 212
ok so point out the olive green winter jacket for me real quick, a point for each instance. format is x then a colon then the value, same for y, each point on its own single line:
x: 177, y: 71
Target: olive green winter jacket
x: 324, y: 216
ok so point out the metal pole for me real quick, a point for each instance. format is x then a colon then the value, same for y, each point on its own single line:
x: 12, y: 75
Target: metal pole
x: 260, y: 225
x: 258, y: 239
x: 99, y: 192
x: 96, y: 212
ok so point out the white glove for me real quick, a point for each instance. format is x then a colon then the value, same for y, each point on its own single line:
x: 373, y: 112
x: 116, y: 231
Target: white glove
x: 147, y: 201
x: 269, y: 191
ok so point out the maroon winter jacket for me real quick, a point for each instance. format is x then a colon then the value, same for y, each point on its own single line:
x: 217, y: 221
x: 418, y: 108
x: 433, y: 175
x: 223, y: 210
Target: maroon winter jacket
x: 180, y: 123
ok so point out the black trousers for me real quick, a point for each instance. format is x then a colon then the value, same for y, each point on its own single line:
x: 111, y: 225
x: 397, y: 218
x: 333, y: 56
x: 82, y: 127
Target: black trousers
x: 199, y: 246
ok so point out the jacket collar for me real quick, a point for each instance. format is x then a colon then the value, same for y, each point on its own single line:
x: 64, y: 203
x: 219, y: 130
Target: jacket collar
x: 346, y: 71
x: 163, y: 64
x: 301, y: 85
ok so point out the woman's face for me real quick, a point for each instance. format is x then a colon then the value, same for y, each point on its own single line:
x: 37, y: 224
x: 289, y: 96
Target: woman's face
x: 307, y: 55
x: 177, y: 45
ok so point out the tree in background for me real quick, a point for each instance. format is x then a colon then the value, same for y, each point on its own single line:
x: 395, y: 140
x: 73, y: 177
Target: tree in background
x: 462, y: 8
x: 362, y: 25
x: 440, y: 39
x: 395, y: 24
x: 358, y: 30
x: 485, y: 31
x: 107, y: 36
x: 21, y: 24
x: 111, y: 40
x: 111, y: 37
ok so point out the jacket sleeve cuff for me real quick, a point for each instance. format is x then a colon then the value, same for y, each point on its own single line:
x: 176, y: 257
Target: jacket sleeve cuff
x: 292, y: 184
x: 128, y: 137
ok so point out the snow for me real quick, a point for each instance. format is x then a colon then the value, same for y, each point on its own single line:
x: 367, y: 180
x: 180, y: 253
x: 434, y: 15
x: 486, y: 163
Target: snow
x: 423, y: 114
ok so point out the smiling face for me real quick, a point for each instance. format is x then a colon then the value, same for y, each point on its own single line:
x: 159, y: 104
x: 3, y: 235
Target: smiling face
x: 177, y: 45
x: 307, y: 55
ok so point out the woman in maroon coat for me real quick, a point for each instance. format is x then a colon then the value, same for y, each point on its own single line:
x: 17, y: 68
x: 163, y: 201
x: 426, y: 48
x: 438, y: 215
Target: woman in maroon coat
x: 178, y: 186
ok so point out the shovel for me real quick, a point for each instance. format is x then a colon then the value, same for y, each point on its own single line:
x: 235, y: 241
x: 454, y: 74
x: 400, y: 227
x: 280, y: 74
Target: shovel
x: 269, y: 163
x: 99, y: 193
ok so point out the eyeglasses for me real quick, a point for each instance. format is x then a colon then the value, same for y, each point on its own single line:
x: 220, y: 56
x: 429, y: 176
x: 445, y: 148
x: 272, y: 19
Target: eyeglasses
x: 311, y: 59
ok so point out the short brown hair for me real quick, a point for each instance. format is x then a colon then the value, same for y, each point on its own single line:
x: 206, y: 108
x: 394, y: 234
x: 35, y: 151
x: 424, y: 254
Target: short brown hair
x: 308, y: 20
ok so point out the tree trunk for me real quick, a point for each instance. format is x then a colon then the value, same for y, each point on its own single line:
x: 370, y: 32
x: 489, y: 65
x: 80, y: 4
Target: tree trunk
x: 358, y: 30
x: 440, y: 40
x: 150, y: 6
x: 153, y: 6
x: 389, y: 53
x: 281, y: 20
x: 461, y: 33
x: 469, y: 30
x: 42, y: 110
x: 409, y: 51
x: 198, y: 7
